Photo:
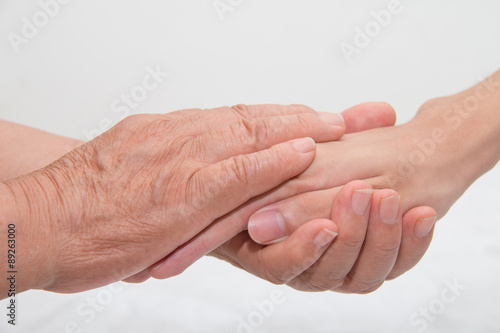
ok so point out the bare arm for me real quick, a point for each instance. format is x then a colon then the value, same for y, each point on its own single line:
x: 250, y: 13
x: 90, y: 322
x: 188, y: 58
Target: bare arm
x: 24, y: 149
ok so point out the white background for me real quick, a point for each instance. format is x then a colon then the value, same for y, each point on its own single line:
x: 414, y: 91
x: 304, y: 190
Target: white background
x: 65, y: 79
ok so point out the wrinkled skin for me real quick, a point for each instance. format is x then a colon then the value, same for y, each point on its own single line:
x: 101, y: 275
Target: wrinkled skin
x: 283, y: 262
x: 389, y: 157
x: 116, y: 205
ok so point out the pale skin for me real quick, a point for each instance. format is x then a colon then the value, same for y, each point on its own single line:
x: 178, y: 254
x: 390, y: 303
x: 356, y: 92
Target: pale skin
x: 305, y: 256
x: 114, y: 206
x: 430, y: 161
x: 47, y: 147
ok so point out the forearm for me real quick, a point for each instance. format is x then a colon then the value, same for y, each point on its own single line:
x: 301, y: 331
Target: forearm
x: 466, y: 129
x: 483, y: 125
x: 24, y: 149
x: 30, y: 245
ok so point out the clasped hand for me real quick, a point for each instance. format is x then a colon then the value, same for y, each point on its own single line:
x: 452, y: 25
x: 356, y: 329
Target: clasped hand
x: 293, y: 238
x: 156, y: 192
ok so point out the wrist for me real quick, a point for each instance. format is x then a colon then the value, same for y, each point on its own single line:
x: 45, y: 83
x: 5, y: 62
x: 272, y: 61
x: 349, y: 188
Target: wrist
x: 38, y: 207
x: 470, y: 125
x: 458, y: 138
x: 23, y: 207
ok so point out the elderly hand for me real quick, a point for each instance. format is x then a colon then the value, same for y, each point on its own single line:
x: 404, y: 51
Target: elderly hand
x: 430, y: 161
x: 414, y: 159
x: 288, y: 259
x: 121, y: 202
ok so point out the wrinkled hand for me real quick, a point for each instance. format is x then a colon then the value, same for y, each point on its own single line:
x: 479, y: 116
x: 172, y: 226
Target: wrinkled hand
x: 245, y: 253
x: 121, y: 202
x: 413, y: 159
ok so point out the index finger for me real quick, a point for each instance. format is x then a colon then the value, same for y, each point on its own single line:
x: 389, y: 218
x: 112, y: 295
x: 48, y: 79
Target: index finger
x: 199, y: 121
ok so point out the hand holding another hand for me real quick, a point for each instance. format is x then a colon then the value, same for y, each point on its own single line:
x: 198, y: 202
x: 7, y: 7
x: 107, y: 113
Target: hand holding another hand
x: 365, y: 241
x: 118, y: 204
x: 430, y: 161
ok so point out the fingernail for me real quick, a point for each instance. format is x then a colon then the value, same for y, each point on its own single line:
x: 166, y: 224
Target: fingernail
x: 267, y: 227
x: 304, y: 145
x: 324, y: 237
x: 361, y: 200
x: 389, y: 209
x: 333, y: 119
x: 424, y: 226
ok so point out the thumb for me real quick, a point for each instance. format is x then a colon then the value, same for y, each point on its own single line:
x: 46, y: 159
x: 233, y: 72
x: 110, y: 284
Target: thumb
x: 369, y: 115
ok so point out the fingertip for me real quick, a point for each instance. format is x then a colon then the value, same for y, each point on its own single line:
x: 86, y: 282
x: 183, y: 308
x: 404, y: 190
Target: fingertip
x: 303, y: 145
x: 355, y: 196
x: 360, y: 200
x: 324, y: 237
x: 420, y: 221
x: 333, y: 119
x: 413, y: 248
x: 281, y: 262
x: 337, y: 125
x: 424, y: 227
x: 369, y: 115
x: 267, y: 227
x: 386, y: 112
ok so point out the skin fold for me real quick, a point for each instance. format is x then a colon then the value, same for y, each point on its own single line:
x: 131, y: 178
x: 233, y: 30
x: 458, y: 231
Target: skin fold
x: 114, y: 206
x: 419, y: 160
x: 361, y: 117
x: 342, y: 216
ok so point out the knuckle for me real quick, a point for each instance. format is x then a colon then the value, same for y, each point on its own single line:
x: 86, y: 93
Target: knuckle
x: 143, y: 126
x: 131, y: 123
x: 303, y: 108
x: 274, y: 277
x: 362, y: 287
x: 240, y: 110
x: 273, y: 156
x: 351, y: 241
x: 386, y: 251
x: 161, y: 125
x: 317, y: 284
x: 295, y: 268
x: 299, y: 262
x: 316, y: 281
x: 335, y: 282
x: 237, y: 168
x: 257, y: 132
x: 133, y: 119
x: 304, y: 122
